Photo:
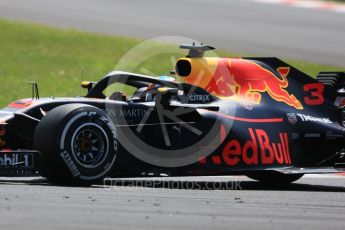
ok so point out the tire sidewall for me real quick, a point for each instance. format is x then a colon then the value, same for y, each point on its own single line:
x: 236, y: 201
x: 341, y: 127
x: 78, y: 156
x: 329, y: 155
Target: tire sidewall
x: 61, y: 164
x: 74, y: 121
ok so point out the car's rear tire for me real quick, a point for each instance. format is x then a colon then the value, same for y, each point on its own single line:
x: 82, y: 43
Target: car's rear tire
x: 274, y: 178
x: 78, y: 145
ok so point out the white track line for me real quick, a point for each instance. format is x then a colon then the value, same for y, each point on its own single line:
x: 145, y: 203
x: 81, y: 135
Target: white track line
x: 309, y: 4
x: 321, y: 176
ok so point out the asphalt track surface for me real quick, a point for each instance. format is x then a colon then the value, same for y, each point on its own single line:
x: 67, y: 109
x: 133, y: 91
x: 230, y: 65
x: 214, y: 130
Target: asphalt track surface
x: 178, y: 203
x: 233, y: 25
x: 185, y: 203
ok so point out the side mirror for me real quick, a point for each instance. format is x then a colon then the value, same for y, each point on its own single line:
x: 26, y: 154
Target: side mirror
x: 166, y: 90
x: 87, y: 85
x: 164, y: 95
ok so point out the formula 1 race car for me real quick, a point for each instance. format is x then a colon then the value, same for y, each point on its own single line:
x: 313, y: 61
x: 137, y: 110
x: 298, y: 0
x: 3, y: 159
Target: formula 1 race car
x: 258, y: 117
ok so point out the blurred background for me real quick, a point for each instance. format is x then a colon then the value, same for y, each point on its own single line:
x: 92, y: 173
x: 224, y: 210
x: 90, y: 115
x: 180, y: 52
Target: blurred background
x: 59, y: 43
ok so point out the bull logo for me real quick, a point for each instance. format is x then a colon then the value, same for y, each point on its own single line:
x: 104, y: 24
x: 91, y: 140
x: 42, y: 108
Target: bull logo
x: 2, y: 143
x: 2, y: 131
x: 246, y: 79
x: 251, y: 80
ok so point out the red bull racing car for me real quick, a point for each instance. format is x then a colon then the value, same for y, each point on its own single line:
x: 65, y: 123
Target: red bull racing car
x: 258, y: 117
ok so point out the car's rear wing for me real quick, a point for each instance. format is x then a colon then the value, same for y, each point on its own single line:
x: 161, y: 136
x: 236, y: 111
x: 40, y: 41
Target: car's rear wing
x: 332, y: 79
x: 334, y: 86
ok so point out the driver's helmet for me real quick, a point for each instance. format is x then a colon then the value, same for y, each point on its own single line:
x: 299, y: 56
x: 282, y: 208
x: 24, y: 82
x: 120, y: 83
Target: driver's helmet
x: 151, y: 89
x: 167, y: 78
x: 148, y: 93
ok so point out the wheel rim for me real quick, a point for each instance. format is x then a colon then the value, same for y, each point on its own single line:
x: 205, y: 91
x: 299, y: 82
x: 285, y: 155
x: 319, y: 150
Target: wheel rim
x: 89, y: 145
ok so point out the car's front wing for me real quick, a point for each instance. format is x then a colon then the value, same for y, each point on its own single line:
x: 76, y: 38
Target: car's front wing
x: 19, y: 162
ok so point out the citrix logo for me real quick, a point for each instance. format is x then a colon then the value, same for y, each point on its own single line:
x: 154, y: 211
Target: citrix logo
x: 199, y: 97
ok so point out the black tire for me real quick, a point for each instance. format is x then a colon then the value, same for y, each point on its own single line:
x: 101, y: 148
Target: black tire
x: 274, y: 178
x: 77, y: 143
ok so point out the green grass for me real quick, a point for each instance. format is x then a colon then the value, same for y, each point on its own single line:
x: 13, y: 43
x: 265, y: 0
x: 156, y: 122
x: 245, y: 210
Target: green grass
x: 335, y: 0
x: 60, y: 59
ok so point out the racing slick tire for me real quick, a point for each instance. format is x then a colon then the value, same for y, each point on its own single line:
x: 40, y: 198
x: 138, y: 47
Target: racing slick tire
x: 274, y: 178
x: 78, y: 145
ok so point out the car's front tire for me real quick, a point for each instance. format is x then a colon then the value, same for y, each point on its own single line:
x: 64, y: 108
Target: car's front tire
x: 78, y: 144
